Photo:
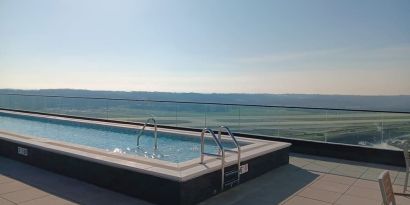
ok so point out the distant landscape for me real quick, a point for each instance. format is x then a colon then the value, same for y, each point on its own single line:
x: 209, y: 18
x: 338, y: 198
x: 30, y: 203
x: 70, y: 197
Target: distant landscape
x: 376, y: 129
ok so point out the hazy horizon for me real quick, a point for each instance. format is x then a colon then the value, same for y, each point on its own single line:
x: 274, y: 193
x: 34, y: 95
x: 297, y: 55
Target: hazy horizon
x: 205, y: 93
x: 267, y: 47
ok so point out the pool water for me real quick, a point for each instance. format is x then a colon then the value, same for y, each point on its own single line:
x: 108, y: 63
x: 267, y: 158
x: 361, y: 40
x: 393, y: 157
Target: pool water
x: 172, y: 147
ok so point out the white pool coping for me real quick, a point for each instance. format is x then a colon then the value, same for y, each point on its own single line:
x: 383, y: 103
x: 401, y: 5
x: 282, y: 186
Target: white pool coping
x: 180, y: 172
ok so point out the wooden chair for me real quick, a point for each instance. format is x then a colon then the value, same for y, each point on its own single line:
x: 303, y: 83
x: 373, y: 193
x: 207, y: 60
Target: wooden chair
x: 386, y: 188
x: 407, y: 160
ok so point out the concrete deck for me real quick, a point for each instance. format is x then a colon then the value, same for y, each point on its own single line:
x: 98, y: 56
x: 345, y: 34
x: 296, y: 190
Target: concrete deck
x: 306, y: 180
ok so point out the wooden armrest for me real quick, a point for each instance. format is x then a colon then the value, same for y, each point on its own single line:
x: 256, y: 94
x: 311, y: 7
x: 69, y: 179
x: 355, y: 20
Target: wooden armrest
x: 402, y: 194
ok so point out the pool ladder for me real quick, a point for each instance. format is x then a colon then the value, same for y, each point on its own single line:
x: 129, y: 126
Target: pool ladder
x: 234, y: 175
x: 155, y: 131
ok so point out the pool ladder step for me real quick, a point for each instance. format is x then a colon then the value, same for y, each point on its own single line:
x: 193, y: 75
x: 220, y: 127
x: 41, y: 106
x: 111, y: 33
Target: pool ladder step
x: 231, y: 178
x: 228, y: 178
x: 154, y: 123
x: 231, y: 183
x: 230, y: 173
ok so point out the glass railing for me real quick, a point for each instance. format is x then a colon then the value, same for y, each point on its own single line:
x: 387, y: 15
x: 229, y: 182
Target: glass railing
x: 382, y: 129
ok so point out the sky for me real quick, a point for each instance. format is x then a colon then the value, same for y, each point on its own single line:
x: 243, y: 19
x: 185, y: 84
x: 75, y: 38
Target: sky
x: 357, y: 47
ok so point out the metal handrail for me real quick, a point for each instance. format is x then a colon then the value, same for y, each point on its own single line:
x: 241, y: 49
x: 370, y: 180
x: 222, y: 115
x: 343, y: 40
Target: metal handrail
x: 236, y: 144
x: 222, y: 154
x: 155, y: 132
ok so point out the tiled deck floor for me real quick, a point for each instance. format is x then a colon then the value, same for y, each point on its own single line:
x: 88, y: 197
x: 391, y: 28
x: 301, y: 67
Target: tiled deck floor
x: 306, y: 180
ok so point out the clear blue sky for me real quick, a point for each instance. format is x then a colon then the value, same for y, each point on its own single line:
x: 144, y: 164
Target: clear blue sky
x: 289, y: 46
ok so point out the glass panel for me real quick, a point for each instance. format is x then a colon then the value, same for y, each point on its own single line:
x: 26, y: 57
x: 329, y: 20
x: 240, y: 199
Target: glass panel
x: 306, y: 124
x: 27, y: 103
x: 132, y: 111
x: 373, y: 129
x: 191, y: 115
x: 223, y: 115
x: 396, y: 130
x: 94, y: 108
x: 33, y: 103
x: 163, y: 112
x: 4, y: 101
x: 140, y: 111
x: 52, y: 105
x: 13, y: 99
x: 353, y: 127
x: 258, y: 120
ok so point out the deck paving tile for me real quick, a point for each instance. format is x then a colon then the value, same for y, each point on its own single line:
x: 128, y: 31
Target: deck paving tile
x: 4, y: 179
x: 317, y: 168
x: 321, y: 195
x: 373, y: 194
x: 24, y: 195
x: 5, y: 202
x: 354, y: 200
x: 306, y: 180
x: 402, y: 200
x: 12, y: 187
x: 48, y: 200
x: 297, y: 200
x: 347, y: 173
x: 299, y: 162
x: 330, y: 186
x: 339, y: 179
x: 367, y: 184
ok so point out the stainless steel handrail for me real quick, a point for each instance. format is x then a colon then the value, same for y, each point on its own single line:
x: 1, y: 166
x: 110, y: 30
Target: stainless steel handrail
x: 236, y: 144
x: 155, y: 132
x: 222, y: 152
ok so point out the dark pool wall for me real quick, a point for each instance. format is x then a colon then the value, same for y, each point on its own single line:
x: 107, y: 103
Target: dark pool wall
x: 144, y: 186
x: 334, y: 150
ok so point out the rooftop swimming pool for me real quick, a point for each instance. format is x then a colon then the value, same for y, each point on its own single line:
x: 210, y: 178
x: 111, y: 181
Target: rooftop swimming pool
x: 105, y: 153
x: 172, y: 147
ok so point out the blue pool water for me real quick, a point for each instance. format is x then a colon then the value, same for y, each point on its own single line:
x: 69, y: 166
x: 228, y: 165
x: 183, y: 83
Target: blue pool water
x: 171, y: 147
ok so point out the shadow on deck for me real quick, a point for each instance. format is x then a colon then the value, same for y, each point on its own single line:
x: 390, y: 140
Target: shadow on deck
x: 270, y: 188
x: 63, y: 189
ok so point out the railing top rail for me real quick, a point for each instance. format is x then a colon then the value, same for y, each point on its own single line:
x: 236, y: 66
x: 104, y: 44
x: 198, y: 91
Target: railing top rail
x: 207, y: 103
